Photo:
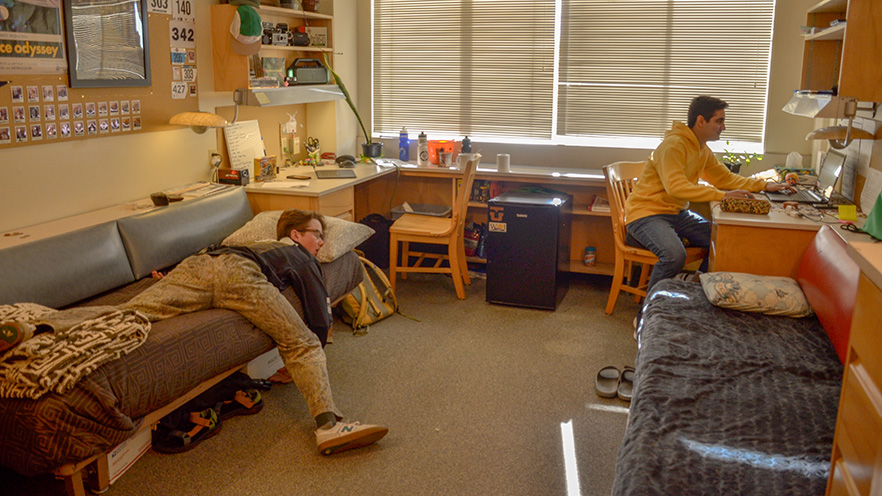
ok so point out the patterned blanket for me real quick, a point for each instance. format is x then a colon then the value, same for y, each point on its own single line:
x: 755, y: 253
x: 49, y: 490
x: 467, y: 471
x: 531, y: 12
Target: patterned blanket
x: 82, y: 339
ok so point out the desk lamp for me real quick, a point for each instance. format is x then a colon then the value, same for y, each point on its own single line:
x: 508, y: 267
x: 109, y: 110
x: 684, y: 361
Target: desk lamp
x: 199, y: 122
x: 841, y: 136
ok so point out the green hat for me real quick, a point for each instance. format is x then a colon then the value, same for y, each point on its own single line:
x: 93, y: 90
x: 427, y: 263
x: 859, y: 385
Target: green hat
x: 246, y: 31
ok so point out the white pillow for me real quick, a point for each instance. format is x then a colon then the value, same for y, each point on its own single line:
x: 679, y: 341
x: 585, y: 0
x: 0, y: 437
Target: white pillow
x: 341, y: 236
x: 752, y: 293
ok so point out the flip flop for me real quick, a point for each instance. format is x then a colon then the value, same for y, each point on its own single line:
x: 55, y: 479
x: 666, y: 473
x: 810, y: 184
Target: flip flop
x: 607, y: 381
x: 246, y: 402
x: 626, y: 384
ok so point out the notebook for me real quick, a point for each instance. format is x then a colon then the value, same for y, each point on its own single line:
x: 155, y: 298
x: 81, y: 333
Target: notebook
x: 823, y: 191
x: 333, y: 173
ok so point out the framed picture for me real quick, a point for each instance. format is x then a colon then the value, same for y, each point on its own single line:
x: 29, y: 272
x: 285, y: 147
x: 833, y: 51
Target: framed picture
x: 112, y: 53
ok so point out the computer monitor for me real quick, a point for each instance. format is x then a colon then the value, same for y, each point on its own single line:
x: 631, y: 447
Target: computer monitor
x: 831, y: 169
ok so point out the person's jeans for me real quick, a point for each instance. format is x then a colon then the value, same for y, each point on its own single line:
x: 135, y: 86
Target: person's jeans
x: 663, y: 234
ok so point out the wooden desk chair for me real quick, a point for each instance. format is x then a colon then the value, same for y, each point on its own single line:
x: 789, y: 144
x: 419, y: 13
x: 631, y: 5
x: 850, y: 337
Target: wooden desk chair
x: 435, y: 230
x: 620, y: 180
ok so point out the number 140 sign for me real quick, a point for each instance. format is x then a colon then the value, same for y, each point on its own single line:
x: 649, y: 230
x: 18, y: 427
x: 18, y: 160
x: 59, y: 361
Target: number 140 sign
x: 181, y: 10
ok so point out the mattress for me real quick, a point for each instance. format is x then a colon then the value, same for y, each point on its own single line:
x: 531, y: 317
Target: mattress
x: 727, y: 402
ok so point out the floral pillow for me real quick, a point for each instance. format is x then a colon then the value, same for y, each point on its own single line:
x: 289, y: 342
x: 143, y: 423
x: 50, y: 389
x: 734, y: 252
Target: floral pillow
x: 341, y: 236
x: 752, y: 293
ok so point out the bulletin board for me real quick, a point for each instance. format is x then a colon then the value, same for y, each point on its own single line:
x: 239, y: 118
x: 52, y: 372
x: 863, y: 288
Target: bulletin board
x: 39, y: 109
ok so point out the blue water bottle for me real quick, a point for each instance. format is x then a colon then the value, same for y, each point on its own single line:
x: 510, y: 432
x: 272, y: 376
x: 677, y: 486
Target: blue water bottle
x: 403, y: 146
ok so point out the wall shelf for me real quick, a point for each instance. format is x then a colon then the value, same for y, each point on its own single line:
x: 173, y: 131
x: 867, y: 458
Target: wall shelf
x: 291, y: 95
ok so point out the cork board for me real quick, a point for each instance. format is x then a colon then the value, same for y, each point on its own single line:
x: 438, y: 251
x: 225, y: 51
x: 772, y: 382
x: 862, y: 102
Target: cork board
x: 49, y: 111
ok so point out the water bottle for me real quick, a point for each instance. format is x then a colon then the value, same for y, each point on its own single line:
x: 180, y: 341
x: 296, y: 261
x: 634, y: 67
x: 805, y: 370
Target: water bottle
x: 403, y: 144
x: 423, y: 150
x: 466, y: 145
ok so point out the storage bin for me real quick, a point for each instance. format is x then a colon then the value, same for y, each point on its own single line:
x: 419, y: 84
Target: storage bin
x: 422, y: 209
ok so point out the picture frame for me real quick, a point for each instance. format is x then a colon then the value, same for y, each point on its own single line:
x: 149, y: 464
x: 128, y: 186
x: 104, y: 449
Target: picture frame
x: 122, y: 62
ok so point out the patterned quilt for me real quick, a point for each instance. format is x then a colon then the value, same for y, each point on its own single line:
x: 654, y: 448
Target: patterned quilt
x: 728, y: 402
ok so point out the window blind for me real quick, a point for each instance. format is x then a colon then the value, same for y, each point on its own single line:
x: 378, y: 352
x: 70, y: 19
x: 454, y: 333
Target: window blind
x: 569, y: 70
x: 451, y: 67
x: 630, y: 68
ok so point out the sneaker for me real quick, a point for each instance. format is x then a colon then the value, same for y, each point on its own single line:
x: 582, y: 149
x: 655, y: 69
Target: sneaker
x: 345, y: 436
x: 14, y: 333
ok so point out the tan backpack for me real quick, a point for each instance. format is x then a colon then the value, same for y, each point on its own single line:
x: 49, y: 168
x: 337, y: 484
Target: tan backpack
x: 372, y: 301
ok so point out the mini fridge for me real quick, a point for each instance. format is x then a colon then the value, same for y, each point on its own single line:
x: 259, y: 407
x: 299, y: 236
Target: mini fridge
x: 528, y: 248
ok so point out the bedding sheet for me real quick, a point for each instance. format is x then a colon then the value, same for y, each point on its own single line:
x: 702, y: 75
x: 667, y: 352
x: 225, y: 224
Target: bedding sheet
x: 727, y: 402
x: 107, y: 406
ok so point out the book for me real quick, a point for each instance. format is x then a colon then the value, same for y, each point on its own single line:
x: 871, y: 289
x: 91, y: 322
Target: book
x: 600, y: 204
x: 265, y: 168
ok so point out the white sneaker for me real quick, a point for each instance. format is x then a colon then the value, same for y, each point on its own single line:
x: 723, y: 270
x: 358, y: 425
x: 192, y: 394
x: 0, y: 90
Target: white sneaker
x: 345, y: 436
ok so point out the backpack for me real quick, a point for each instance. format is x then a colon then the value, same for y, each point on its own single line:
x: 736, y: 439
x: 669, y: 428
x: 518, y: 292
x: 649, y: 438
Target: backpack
x: 372, y: 301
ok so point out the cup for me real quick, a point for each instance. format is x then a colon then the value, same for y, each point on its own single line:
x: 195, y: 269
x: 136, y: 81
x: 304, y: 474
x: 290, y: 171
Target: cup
x: 503, y: 162
x: 445, y: 158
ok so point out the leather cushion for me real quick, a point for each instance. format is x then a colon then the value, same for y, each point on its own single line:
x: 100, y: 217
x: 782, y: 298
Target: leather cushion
x: 829, y: 279
x: 63, y: 269
x: 163, y: 237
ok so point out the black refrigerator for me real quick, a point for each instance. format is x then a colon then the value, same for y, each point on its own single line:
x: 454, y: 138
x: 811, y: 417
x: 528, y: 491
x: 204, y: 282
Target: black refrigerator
x: 528, y: 248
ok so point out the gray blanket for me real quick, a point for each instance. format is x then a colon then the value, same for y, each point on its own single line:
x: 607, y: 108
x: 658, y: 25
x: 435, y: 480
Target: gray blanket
x: 81, y: 340
x: 727, y: 402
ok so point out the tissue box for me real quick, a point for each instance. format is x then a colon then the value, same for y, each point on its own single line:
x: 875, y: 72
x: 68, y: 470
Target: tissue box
x: 756, y: 205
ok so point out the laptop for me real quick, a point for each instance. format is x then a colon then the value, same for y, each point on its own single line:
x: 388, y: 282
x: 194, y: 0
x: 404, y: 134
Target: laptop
x: 823, y: 192
x: 333, y: 173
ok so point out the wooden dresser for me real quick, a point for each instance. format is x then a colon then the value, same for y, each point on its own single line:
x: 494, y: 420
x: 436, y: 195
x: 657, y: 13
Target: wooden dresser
x: 857, y: 447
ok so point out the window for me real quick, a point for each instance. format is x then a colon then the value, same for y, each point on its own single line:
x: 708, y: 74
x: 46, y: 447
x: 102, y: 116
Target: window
x: 572, y: 71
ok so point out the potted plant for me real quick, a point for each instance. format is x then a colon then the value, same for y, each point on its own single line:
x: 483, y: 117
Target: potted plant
x: 369, y: 148
x: 735, y: 160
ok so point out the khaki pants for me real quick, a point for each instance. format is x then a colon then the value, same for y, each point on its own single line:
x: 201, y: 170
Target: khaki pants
x: 236, y: 283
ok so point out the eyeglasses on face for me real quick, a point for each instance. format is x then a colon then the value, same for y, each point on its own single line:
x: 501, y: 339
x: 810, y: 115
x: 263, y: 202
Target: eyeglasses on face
x: 315, y: 232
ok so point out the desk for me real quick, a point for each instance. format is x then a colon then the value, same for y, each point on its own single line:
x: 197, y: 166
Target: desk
x: 379, y: 189
x: 438, y: 186
x: 764, y: 244
x: 333, y: 197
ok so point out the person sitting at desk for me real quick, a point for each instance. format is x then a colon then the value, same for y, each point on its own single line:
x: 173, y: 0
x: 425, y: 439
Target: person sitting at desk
x: 249, y: 280
x: 656, y: 211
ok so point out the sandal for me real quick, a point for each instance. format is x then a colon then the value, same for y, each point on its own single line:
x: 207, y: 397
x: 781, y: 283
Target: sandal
x: 245, y: 403
x: 205, y: 424
x: 607, y: 381
x: 626, y: 384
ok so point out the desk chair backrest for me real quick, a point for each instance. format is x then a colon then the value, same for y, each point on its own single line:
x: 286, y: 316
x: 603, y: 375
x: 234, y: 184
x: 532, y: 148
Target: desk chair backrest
x: 461, y: 204
x: 620, y: 180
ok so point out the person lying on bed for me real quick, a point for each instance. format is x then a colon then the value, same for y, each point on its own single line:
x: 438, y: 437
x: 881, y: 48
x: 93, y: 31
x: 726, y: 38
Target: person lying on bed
x: 249, y: 280
x: 656, y: 212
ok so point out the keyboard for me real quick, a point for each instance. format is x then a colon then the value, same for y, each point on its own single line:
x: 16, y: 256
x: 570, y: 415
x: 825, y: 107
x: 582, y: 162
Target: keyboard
x: 800, y: 196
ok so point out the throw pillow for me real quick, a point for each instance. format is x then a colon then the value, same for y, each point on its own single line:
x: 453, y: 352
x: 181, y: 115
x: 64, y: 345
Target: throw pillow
x: 753, y: 293
x: 341, y: 236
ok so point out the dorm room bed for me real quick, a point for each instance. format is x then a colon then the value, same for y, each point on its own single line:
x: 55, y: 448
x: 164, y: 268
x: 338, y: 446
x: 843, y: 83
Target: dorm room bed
x: 732, y: 402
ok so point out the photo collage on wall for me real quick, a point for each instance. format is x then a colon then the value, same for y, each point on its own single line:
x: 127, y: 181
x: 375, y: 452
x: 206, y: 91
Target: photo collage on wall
x: 43, y: 113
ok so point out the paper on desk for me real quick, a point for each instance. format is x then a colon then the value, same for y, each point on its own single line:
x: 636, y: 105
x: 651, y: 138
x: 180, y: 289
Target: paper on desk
x: 872, y: 189
x: 244, y: 144
x: 283, y: 184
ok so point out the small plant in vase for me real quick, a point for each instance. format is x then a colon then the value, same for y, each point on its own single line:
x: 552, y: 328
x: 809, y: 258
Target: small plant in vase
x: 734, y: 161
x: 369, y: 148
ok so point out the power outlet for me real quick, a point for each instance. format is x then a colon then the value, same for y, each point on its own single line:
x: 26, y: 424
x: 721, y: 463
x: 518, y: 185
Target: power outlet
x: 214, y: 158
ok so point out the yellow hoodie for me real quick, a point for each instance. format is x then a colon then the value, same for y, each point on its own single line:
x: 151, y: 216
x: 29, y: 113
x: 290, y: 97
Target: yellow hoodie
x: 669, y: 180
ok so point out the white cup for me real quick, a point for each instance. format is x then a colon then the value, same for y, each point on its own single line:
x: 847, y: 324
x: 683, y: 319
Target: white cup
x: 503, y: 162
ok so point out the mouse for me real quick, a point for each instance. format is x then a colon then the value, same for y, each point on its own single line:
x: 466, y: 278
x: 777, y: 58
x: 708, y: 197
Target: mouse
x: 345, y: 161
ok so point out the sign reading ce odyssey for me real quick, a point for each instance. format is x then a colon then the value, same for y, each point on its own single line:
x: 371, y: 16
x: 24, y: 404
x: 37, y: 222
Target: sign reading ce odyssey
x: 31, y: 40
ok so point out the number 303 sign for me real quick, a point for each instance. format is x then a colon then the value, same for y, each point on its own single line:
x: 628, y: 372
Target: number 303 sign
x: 181, y: 10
